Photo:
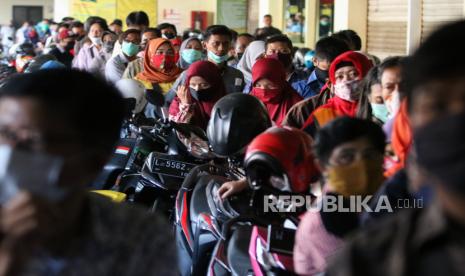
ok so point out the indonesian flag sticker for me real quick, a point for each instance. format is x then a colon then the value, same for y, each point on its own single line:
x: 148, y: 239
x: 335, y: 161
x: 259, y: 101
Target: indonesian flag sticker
x: 122, y: 150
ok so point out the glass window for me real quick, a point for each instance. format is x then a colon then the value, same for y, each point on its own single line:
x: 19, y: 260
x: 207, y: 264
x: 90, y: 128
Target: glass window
x: 325, y: 18
x: 295, y: 21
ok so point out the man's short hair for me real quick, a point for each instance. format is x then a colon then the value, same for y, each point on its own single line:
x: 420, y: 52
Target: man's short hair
x: 163, y: 26
x: 343, y: 130
x: 249, y: 36
x: 86, y: 104
x: 351, y: 37
x: 279, y: 38
x: 125, y: 34
x: 118, y: 22
x: 67, y: 18
x: 217, y: 30
x: 328, y: 48
x: 137, y: 18
x: 388, y: 63
x: 156, y: 31
x: 267, y: 15
x: 77, y: 24
x: 95, y: 20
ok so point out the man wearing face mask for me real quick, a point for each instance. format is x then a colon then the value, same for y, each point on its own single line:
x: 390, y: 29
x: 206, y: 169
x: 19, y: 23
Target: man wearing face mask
x: 61, y: 228
x: 429, y: 240
x: 217, y: 41
x: 241, y: 43
x: 280, y: 47
x: 130, y: 41
x: 168, y: 31
x: 62, y: 52
x: 349, y: 153
x: 138, y: 20
x: 326, y: 50
x: 136, y: 66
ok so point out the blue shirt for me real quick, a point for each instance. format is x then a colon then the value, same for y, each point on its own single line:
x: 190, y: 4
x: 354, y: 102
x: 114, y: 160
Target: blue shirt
x: 309, y: 87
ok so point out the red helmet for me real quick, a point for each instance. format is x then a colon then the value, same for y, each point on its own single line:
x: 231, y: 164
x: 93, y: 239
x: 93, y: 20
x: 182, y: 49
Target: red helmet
x: 282, y: 152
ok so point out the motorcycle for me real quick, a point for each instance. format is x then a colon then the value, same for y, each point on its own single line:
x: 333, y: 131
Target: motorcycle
x: 253, y: 246
x: 157, y: 182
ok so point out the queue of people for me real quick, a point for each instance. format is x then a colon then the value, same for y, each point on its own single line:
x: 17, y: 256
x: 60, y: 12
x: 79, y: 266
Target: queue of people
x: 390, y: 131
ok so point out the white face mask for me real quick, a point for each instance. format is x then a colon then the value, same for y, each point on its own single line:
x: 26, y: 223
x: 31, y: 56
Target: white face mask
x: 393, y: 104
x: 96, y: 40
x: 346, y: 90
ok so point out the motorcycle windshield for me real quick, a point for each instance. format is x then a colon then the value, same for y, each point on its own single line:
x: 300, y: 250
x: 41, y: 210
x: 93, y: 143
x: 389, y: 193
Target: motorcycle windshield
x: 195, y: 140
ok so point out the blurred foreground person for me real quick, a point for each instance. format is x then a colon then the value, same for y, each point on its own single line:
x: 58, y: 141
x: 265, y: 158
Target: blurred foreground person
x: 429, y: 240
x: 50, y: 223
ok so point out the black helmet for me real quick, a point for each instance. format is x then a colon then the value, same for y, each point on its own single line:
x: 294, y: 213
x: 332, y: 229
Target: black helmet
x: 235, y: 121
x: 25, y: 49
x: 37, y: 62
x: 299, y: 57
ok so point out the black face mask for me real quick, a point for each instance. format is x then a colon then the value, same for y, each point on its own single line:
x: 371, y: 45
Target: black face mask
x: 203, y: 95
x: 440, y: 149
x: 340, y: 223
x: 285, y: 59
x: 169, y: 35
x: 321, y: 75
x: 69, y: 46
x: 108, y: 46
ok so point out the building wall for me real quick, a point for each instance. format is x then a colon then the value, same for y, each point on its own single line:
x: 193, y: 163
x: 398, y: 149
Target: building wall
x: 179, y: 12
x: 253, y: 15
x: 6, y: 8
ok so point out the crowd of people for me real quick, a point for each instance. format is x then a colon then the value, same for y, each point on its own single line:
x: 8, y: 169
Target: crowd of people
x: 389, y: 128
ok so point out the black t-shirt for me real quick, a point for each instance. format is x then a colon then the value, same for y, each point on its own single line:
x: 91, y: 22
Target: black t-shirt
x: 64, y: 57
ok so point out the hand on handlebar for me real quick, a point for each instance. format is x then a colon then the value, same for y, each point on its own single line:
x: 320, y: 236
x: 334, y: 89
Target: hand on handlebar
x: 232, y: 187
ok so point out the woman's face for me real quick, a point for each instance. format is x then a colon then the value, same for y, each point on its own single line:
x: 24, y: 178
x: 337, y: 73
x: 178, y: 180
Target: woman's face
x: 346, y: 73
x: 265, y: 84
x: 165, y: 49
x: 95, y: 30
x: 198, y: 83
x: 376, y: 95
x: 194, y: 44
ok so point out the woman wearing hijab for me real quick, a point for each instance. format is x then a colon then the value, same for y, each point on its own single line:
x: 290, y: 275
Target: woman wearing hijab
x: 190, y: 52
x: 270, y: 86
x: 194, y: 101
x: 160, y: 70
x: 252, y: 53
x: 345, y: 73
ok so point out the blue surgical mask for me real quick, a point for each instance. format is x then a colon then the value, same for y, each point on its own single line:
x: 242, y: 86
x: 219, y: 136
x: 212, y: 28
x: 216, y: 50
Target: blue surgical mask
x: 191, y: 55
x: 217, y: 59
x: 380, y: 111
x: 130, y: 49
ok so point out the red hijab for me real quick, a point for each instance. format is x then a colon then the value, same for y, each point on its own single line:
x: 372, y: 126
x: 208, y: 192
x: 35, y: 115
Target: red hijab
x: 209, y: 72
x: 362, y: 64
x: 279, y: 101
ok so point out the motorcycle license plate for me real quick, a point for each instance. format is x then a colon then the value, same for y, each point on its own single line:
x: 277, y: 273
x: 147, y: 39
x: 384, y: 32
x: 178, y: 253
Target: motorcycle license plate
x: 171, y: 167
